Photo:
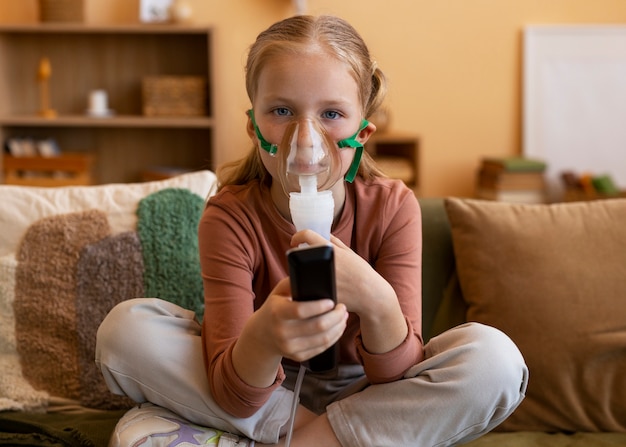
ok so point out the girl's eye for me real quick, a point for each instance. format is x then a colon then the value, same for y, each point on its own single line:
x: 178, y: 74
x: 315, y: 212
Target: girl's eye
x: 282, y: 111
x: 331, y: 115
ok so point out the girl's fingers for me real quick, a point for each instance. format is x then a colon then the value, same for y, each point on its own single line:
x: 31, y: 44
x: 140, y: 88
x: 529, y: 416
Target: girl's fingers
x: 316, y: 335
x: 301, y: 330
x: 309, y: 237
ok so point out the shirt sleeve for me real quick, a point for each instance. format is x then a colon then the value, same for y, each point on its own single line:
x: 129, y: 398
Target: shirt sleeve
x: 390, y: 366
x: 227, y: 272
x: 398, y: 258
x: 234, y: 395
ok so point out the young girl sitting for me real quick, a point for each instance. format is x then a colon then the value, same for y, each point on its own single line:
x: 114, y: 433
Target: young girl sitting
x: 236, y: 371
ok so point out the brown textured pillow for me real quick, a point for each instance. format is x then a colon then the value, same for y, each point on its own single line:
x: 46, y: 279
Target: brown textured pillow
x: 553, y: 277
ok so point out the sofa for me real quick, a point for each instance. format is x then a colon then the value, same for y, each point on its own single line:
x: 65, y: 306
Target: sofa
x: 552, y: 277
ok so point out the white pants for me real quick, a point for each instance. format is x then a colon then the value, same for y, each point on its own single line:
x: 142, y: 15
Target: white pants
x: 472, y: 378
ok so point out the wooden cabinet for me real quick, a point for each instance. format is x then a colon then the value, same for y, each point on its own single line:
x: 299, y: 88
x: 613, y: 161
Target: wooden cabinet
x: 397, y: 155
x: 115, y: 58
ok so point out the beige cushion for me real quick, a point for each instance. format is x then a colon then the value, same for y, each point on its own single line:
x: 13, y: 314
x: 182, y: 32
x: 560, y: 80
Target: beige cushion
x: 553, y: 277
x: 67, y: 256
x: 23, y: 205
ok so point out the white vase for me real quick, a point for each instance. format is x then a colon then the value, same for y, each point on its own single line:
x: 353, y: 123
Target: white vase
x: 181, y: 11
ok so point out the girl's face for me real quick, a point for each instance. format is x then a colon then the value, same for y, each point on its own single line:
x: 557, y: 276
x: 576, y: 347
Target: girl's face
x: 312, y: 85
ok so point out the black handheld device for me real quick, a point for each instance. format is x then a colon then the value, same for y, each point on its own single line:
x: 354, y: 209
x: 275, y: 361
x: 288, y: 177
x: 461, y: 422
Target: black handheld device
x: 312, y: 276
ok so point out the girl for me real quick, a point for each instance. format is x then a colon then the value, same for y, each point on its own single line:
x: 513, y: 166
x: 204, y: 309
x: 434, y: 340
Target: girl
x: 237, y: 373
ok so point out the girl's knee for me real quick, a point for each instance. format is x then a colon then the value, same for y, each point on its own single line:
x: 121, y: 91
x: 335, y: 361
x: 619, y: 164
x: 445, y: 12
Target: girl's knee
x: 480, y: 368
x: 495, y: 349
x: 482, y: 357
x: 494, y: 361
x: 140, y: 335
x: 130, y: 323
x: 112, y: 333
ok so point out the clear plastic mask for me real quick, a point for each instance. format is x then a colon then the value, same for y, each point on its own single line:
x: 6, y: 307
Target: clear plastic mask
x: 308, y: 156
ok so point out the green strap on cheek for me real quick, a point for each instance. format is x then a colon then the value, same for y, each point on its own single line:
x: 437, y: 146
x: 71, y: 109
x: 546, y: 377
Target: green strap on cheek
x: 354, y: 167
x: 353, y: 143
x: 265, y: 145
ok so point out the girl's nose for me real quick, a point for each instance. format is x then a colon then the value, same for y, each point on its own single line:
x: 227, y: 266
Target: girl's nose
x: 305, y: 137
x: 308, y: 144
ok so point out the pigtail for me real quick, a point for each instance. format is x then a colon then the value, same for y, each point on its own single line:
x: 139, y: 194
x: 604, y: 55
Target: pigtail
x: 377, y: 92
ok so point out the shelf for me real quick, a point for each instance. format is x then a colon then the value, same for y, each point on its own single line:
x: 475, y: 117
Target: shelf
x: 115, y: 58
x: 90, y: 28
x: 113, y: 121
x: 397, y: 155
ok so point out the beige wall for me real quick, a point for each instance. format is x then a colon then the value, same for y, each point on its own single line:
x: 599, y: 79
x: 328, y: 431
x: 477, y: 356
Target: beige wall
x: 454, y: 67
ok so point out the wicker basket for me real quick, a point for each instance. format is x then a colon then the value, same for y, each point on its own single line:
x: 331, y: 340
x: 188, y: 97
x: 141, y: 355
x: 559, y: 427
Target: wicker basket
x: 67, y: 169
x: 174, y: 96
x: 61, y: 10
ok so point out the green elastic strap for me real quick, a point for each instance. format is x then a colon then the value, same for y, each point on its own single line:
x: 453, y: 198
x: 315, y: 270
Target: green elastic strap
x: 266, y: 145
x: 353, y: 143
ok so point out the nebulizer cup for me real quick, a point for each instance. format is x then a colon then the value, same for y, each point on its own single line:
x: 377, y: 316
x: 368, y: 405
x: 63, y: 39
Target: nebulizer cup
x: 309, y: 164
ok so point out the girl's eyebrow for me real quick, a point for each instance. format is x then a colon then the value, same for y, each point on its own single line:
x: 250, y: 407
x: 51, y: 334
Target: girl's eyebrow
x: 337, y: 102
x: 340, y: 103
x: 273, y: 101
x: 279, y: 95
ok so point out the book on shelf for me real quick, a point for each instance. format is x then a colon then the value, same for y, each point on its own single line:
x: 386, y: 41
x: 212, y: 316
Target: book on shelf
x: 511, y: 179
x: 589, y: 187
x: 513, y: 164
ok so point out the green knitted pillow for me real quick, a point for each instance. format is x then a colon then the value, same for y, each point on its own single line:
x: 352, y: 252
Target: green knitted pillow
x: 168, y: 231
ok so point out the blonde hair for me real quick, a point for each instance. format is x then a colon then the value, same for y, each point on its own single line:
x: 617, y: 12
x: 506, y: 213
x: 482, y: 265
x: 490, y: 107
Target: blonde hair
x: 291, y: 35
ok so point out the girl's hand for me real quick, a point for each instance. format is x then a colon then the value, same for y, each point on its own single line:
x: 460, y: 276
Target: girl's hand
x: 359, y: 286
x: 301, y: 330
x: 365, y: 292
x: 285, y: 328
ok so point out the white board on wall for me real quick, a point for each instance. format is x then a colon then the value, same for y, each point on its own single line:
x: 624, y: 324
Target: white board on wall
x: 574, y: 97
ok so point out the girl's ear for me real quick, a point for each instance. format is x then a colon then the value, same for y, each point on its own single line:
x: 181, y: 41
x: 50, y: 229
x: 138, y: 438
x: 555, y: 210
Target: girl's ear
x: 250, y: 128
x: 366, y: 133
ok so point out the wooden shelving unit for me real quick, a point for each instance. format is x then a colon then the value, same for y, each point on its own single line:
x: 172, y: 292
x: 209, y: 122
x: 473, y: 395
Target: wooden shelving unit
x: 397, y: 155
x: 115, y: 58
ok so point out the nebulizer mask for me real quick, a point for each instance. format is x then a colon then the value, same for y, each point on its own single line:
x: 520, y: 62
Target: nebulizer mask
x: 308, y: 166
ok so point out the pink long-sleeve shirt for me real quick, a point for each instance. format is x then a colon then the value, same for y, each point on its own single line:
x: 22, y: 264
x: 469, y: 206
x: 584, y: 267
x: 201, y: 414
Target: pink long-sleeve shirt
x: 243, y: 240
